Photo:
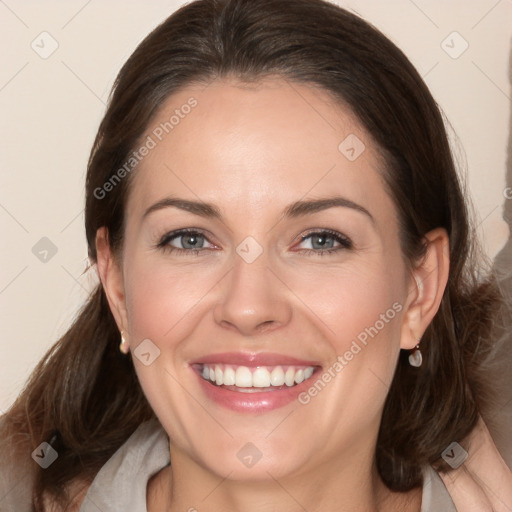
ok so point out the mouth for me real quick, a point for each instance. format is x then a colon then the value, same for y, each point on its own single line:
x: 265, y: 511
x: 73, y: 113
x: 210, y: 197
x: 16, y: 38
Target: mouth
x: 253, y: 383
x: 255, y: 379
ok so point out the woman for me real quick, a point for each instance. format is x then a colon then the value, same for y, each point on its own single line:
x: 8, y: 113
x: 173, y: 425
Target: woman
x: 288, y: 317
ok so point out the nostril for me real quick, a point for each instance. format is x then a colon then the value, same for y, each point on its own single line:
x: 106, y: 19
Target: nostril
x: 266, y: 325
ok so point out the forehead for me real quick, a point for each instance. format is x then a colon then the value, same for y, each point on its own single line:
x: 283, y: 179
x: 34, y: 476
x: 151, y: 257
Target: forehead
x: 254, y: 145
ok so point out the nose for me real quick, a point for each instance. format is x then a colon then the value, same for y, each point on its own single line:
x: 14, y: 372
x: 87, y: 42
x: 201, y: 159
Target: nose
x: 254, y: 300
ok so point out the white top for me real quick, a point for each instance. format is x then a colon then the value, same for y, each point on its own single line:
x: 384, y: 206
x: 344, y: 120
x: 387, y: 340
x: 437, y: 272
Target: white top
x: 122, y: 482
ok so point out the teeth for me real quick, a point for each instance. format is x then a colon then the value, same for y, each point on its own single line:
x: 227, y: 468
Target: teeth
x: 259, y: 377
x: 243, y: 377
x: 289, y: 377
x: 299, y: 376
x: 277, y: 376
x: 218, y: 376
x: 229, y: 376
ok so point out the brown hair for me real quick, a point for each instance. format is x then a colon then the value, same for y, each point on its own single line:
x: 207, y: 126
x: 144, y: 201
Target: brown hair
x: 84, y: 395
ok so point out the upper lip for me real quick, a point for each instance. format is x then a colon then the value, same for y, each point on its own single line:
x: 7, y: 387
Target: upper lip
x: 251, y: 359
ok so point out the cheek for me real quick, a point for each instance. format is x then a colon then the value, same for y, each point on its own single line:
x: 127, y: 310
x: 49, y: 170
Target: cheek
x: 163, y: 305
x: 354, y: 301
x: 359, y: 311
x: 160, y: 297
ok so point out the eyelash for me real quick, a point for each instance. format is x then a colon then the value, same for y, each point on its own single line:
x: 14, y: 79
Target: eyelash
x: 345, y: 242
x: 164, y: 242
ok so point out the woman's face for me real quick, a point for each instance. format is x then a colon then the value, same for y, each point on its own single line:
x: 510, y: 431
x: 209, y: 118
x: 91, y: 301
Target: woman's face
x: 290, y: 269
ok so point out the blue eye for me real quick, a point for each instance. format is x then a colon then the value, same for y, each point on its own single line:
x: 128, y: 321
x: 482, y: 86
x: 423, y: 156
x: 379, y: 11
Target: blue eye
x: 325, y: 241
x: 193, y: 242
x: 184, y: 240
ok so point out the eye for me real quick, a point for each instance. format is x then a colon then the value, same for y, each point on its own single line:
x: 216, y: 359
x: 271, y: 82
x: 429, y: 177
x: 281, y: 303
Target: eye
x: 325, y: 241
x: 184, y: 241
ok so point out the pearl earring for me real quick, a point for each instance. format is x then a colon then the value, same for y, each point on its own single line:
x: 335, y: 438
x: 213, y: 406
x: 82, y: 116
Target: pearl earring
x: 415, y: 357
x: 123, y: 346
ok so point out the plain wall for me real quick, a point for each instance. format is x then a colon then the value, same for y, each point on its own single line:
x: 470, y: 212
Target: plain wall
x: 51, y: 109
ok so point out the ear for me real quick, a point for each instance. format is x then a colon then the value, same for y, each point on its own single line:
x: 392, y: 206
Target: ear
x: 111, y: 277
x: 426, y: 289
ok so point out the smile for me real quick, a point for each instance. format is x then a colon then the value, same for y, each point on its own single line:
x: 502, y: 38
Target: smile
x: 260, y: 377
x: 248, y: 382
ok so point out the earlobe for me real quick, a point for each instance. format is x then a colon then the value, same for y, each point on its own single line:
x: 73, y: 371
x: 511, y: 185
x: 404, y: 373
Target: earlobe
x: 429, y: 281
x: 110, y: 275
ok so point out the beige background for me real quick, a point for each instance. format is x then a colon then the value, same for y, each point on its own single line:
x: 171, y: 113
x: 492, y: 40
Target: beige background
x: 51, y: 107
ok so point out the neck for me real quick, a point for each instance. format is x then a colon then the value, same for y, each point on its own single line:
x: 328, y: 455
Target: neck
x: 342, y: 485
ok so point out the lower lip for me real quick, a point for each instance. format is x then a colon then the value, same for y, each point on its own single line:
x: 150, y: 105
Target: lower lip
x: 252, y: 401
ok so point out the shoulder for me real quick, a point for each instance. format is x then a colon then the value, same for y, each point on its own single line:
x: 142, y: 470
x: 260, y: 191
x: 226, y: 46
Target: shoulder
x: 434, y: 494
x: 124, y: 478
x: 76, y: 491
x: 122, y: 482
x: 18, y: 470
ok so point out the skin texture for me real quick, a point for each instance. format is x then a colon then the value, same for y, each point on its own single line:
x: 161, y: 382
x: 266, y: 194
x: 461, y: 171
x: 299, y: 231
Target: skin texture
x: 252, y: 150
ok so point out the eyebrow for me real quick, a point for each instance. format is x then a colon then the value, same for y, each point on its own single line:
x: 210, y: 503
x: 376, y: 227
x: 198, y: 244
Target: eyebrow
x: 196, y: 207
x: 296, y: 209
x: 300, y: 208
